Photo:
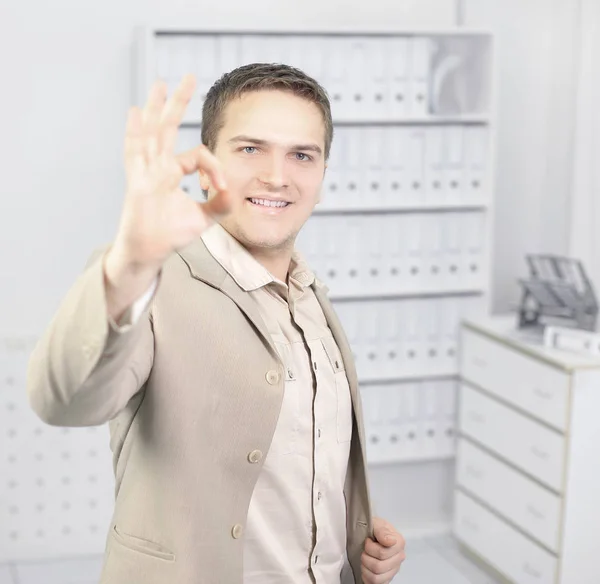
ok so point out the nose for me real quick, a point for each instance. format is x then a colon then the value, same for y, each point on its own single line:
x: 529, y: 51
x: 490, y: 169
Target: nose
x: 273, y: 172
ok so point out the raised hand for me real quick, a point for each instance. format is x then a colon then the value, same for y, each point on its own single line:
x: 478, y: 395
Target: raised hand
x: 158, y: 217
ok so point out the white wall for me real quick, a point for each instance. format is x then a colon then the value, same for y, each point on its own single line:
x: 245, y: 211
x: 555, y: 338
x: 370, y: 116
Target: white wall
x: 585, y: 212
x: 537, y: 61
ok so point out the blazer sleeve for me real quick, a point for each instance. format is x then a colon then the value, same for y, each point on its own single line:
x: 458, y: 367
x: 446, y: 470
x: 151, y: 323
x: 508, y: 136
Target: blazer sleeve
x: 84, y: 369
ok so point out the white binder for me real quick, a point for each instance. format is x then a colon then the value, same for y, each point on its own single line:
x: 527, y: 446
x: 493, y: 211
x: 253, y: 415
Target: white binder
x: 455, y: 186
x: 476, y: 152
x: 415, y: 166
x: 374, y: 182
x: 397, y: 186
x: 434, y: 166
x: 230, y: 52
x: 357, y: 71
x: 377, y: 90
x: 453, y: 252
x: 335, y: 77
x: 353, y: 176
x: 332, y: 194
x: 398, y: 67
x: 418, y: 93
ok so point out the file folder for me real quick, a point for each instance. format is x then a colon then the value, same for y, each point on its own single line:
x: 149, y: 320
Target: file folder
x: 434, y: 165
x: 455, y: 187
x: 420, y: 49
x: 398, y: 63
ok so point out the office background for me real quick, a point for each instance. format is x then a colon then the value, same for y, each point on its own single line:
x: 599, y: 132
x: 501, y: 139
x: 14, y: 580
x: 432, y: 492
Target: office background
x: 67, y: 85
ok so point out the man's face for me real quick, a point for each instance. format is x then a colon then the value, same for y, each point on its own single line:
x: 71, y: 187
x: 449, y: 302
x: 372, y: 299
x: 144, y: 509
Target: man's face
x: 271, y: 149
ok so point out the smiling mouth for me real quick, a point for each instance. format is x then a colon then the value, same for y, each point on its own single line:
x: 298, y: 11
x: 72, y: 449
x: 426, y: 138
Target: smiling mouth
x: 268, y: 204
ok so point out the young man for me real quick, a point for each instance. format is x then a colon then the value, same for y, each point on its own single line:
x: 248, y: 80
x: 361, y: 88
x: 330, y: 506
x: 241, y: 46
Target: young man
x: 207, y: 342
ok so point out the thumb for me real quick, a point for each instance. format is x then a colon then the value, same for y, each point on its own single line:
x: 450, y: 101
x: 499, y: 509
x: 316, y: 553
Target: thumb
x: 385, y: 537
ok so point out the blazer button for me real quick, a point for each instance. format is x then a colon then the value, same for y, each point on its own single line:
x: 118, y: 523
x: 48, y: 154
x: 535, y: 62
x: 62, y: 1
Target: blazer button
x: 237, y: 531
x: 255, y: 456
x: 272, y: 377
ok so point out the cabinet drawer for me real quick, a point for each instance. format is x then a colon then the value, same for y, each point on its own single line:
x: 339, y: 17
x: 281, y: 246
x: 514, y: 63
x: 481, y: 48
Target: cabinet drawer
x: 529, y: 384
x: 516, y: 497
x: 535, y: 449
x: 504, y: 548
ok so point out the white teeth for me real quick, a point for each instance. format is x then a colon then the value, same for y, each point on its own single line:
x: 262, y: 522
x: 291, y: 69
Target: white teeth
x: 266, y: 203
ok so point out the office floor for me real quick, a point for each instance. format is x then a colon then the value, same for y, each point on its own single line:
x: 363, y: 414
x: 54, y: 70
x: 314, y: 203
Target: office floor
x: 430, y: 561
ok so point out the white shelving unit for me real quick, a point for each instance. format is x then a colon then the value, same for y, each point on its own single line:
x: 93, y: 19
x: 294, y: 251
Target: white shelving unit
x: 402, y: 237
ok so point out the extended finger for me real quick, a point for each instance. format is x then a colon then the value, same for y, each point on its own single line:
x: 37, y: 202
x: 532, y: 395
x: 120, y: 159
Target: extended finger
x: 151, y: 118
x: 380, y: 566
x: 134, y: 142
x: 201, y: 158
x: 217, y: 206
x: 378, y: 551
x: 371, y: 578
x: 173, y: 112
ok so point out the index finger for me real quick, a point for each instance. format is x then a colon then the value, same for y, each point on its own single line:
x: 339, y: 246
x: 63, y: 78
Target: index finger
x: 173, y: 112
x: 201, y: 158
x: 378, y: 551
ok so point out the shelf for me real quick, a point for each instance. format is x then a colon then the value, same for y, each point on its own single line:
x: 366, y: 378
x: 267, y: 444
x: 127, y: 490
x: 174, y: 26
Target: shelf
x: 338, y: 296
x: 450, y: 374
x: 316, y: 29
x: 411, y: 208
x: 409, y: 459
x: 422, y: 121
x: 409, y: 378
x: 428, y: 121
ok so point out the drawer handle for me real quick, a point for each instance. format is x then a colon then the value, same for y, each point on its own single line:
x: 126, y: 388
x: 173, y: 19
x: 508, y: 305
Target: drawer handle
x: 479, y: 362
x: 539, y: 453
x: 475, y: 472
x: 541, y: 393
x: 477, y: 417
x: 537, y: 514
x: 531, y: 571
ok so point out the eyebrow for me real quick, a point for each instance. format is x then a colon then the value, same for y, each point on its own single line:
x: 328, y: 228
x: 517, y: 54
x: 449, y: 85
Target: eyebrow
x: 259, y: 142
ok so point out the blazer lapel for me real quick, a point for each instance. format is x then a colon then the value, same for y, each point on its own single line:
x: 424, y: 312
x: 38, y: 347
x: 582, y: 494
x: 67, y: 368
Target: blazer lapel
x: 204, y: 267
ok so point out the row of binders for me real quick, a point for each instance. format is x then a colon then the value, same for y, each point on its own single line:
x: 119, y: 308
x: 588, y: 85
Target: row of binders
x: 387, y: 167
x: 359, y: 255
x: 407, y: 166
x: 410, y: 420
x: 406, y: 338
x: 367, y: 77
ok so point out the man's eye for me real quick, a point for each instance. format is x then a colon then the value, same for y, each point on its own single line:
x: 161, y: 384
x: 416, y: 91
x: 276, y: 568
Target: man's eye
x: 249, y: 149
x: 301, y: 156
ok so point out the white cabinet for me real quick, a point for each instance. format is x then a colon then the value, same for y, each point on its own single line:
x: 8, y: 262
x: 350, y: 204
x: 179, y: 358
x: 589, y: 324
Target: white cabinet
x: 527, y: 497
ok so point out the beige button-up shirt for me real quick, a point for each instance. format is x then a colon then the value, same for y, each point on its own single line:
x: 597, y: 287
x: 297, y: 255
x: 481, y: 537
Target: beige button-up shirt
x: 296, y: 525
x: 295, y: 531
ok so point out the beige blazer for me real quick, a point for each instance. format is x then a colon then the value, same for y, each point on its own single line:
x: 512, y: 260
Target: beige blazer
x: 191, y: 391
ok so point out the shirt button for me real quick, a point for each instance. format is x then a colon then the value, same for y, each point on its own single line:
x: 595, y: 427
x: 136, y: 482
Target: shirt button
x: 316, y: 559
x: 319, y: 496
x: 319, y: 433
x: 237, y: 531
x: 255, y: 456
x: 272, y: 377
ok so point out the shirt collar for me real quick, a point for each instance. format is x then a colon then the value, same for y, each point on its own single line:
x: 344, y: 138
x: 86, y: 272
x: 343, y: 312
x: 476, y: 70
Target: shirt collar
x: 247, y: 272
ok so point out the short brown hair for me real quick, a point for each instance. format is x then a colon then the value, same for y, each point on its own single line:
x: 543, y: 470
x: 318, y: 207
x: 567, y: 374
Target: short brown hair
x: 257, y: 77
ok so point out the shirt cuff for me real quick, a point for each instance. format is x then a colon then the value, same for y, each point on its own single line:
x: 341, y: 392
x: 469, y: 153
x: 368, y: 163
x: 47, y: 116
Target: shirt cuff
x: 132, y: 315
